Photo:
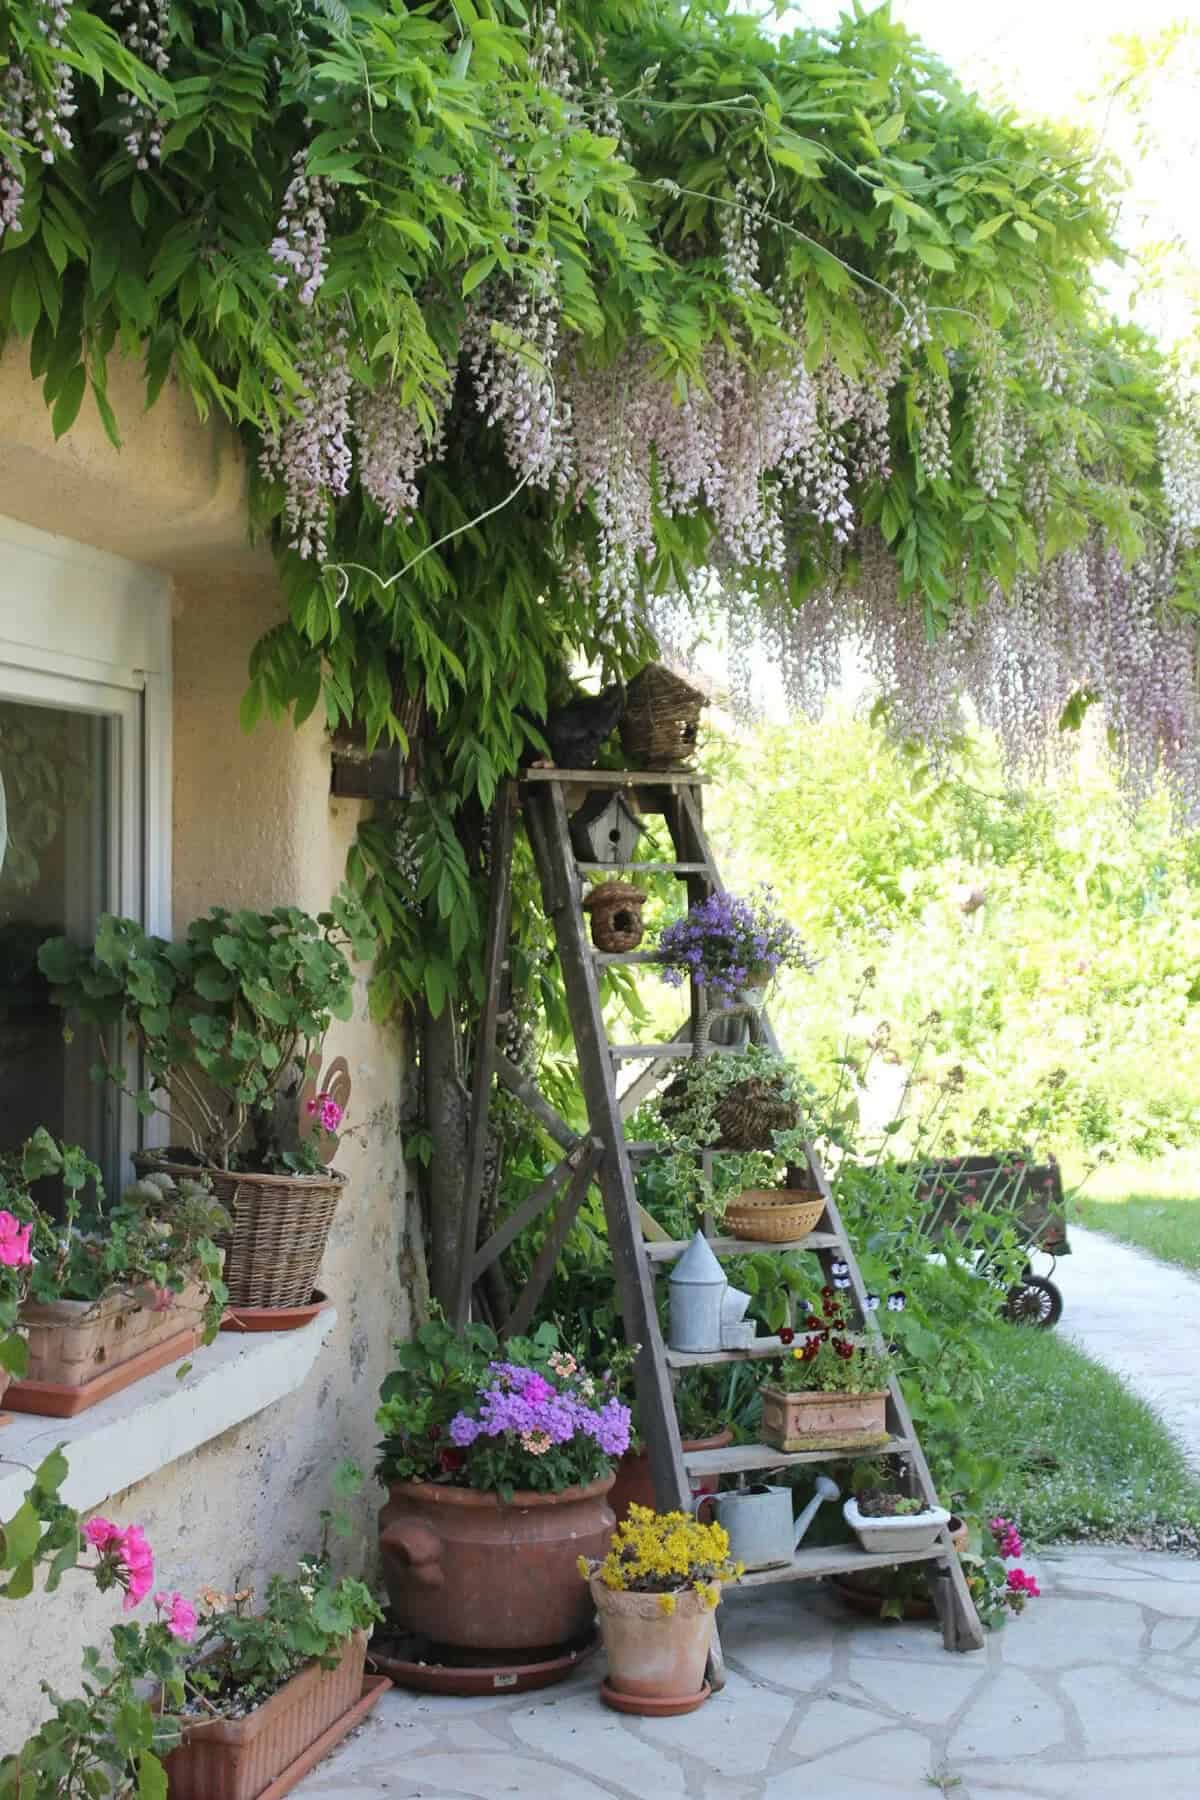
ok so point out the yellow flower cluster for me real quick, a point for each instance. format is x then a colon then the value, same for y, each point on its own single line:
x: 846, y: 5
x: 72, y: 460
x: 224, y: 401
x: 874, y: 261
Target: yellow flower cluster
x: 662, y: 1552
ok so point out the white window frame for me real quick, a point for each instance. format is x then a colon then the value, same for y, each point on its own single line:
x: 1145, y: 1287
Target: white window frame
x: 90, y: 632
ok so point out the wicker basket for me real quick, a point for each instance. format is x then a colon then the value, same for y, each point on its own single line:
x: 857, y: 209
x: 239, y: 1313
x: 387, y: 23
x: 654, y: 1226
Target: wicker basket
x: 751, y: 1113
x: 280, y: 1227
x: 773, y: 1215
x: 616, y: 912
x: 661, y: 720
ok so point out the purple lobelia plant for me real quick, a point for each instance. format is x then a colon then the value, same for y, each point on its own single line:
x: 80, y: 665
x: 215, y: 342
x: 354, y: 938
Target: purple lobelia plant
x: 725, y: 944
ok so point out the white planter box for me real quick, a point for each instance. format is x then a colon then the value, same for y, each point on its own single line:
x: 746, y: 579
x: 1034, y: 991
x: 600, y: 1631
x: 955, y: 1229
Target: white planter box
x: 903, y: 1533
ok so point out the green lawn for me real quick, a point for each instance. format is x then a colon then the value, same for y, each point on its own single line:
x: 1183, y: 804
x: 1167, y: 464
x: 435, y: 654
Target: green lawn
x: 1084, y: 1458
x: 1155, y: 1206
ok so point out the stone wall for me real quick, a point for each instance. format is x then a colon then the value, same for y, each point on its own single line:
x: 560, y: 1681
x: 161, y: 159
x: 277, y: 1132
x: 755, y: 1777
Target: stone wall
x: 253, y: 825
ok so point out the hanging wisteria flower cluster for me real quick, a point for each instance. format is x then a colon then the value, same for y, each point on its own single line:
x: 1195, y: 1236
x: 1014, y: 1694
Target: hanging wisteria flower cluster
x: 393, y: 447
x: 299, y: 243
x: 310, y: 454
x: 143, y: 25
x: 27, y: 113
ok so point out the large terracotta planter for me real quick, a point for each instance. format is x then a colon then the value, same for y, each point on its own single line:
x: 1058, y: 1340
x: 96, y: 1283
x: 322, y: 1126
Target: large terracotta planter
x: 634, y: 1484
x: 807, y: 1421
x: 239, y: 1759
x: 468, y: 1570
x: 654, y: 1658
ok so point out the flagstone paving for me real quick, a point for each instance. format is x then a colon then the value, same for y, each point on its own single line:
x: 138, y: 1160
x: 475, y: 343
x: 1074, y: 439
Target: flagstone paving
x: 1116, y: 1299
x: 1092, y: 1694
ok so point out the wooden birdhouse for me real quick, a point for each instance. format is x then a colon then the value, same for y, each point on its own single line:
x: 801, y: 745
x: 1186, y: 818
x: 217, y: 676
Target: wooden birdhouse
x: 606, y: 828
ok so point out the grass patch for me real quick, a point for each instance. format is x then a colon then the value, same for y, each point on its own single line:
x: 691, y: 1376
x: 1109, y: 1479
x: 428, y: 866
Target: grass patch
x: 1156, y: 1207
x: 1083, y: 1457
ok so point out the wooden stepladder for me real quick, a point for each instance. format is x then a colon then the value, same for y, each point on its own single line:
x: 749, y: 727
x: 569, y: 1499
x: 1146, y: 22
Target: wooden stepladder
x: 639, y: 1246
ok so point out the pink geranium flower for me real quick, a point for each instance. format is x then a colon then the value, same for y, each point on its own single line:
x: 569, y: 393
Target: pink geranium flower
x: 1021, y: 1583
x: 181, y: 1615
x: 126, y: 1555
x: 14, y: 1242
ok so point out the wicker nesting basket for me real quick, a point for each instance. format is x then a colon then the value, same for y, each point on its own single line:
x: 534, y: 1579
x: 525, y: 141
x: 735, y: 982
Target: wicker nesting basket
x: 616, y: 914
x: 661, y: 720
x: 750, y: 1114
x: 281, y: 1225
x: 773, y: 1215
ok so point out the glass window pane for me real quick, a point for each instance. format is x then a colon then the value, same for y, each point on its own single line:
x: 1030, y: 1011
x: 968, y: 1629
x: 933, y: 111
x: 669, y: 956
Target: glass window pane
x: 58, y: 822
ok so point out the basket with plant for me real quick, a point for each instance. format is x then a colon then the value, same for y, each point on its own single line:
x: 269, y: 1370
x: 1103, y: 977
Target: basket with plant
x: 656, y: 1592
x: 228, y: 1024
x: 829, y: 1390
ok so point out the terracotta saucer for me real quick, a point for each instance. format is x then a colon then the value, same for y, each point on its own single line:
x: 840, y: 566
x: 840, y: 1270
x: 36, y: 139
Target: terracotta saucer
x: 273, y: 1318
x: 653, y: 1709
x: 497, y: 1676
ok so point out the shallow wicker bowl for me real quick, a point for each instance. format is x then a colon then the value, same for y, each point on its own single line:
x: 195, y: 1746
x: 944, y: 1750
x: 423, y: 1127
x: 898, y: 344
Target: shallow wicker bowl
x: 773, y: 1215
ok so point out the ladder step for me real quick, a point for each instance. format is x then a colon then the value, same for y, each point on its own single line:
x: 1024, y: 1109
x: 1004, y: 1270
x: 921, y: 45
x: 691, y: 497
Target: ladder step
x: 605, y: 957
x: 644, y: 868
x: 836, y: 1559
x: 671, y: 1248
x: 758, y: 1351
x: 660, y: 1052
x: 743, y: 1459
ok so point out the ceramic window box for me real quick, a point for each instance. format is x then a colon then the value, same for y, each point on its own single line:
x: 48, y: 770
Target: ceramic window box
x: 813, y: 1421
x: 244, y: 1759
x: 898, y: 1532
x: 81, y: 1351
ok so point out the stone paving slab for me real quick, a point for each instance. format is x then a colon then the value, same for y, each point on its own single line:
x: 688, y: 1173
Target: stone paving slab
x: 1116, y: 1298
x: 1093, y: 1695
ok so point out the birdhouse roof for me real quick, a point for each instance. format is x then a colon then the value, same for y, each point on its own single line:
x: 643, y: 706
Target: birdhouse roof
x: 698, y: 1267
x: 614, y: 893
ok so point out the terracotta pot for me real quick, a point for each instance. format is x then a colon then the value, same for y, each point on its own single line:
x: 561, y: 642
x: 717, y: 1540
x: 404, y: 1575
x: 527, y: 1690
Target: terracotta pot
x: 634, y: 1485
x: 861, y: 1595
x: 808, y: 1421
x: 468, y: 1570
x: 70, y: 1342
x: 653, y: 1655
x: 238, y: 1759
x: 5, y: 1378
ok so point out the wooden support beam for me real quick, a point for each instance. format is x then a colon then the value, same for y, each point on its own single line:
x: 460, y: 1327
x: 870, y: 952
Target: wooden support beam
x: 525, y: 1214
x: 495, y: 952
x: 518, y: 1084
x: 543, y: 1268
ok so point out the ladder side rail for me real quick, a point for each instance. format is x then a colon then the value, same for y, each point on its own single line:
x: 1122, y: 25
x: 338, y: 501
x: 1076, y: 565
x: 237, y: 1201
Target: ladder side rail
x: 546, y: 818
x: 495, y: 955
x: 961, y: 1627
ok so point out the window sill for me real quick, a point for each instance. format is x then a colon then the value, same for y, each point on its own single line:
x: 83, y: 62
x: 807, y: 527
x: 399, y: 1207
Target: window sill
x: 152, y: 1424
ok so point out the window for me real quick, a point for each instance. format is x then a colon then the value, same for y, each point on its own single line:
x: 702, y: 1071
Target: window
x: 84, y: 754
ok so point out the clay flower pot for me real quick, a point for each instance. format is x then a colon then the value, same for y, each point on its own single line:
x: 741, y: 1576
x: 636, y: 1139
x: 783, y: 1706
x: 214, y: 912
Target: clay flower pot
x: 634, y: 1485
x: 469, y: 1570
x: 811, y: 1421
x: 656, y: 1659
x: 81, y: 1351
x: 241, y: 1759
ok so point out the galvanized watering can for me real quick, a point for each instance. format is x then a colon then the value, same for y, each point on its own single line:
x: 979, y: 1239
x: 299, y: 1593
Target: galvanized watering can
x: 759, y: 1520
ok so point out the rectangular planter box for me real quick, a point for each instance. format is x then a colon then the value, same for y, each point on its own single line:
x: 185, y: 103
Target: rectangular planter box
x: 900, y: 1534
x: 241, y: 1759
x: 795, y: 1422
x: 71, y: 1342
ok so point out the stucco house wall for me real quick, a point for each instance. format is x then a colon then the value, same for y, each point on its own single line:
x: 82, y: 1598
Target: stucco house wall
x: 253, y: 825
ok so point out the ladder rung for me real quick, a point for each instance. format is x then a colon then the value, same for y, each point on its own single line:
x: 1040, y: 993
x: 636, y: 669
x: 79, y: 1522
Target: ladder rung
x: 743, y: 1459
x: 730, y: 1246
x: 838, y: 1559
x: 604, y: 957
x: 643, y: 868
x: 657, y: 1052
x: 619, y: 777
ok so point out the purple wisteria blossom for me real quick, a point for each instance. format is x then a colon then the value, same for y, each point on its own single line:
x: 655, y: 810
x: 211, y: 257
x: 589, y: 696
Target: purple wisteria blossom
x: 723, y: 944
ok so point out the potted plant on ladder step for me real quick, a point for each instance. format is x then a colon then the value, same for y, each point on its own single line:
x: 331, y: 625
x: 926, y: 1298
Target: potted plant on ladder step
x: 731, y: 949
x: 829, y: 1389
x: 229, y: 1024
